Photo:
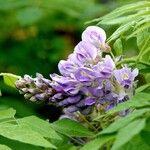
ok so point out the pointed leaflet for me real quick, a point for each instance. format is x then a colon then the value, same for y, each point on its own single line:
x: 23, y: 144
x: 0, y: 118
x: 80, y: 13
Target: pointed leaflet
x: 24, y: 134
x: 10, y: 79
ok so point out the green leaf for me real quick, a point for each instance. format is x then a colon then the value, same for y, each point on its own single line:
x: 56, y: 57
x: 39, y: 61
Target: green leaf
x: 122, y: 122
x: 142, y: 88
x: 125, y: 19
x: 122, y: 29
x: 16, y: 145
x: 4, y: 147
x: 143, y: 40
x: 67, y: 147
x: 128, y: 132
x: 71, y: 128
x: 127, y: 8
x: 139, y: 29
x: 10, y: 79
x: 7, y: 113
x: 23, y: 134
x: 136, y: 143
x: 97, y: 143
x: 40, y: 126
x: 145, y: 135
x: 118, y: 47
x: 139, y: 100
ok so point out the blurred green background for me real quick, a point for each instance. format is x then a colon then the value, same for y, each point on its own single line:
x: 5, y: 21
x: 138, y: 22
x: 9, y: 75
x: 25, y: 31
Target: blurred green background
x: 36, y: 34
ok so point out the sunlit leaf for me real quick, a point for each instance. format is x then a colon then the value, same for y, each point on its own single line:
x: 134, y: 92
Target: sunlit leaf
x: 10, y: 79
x: 4, y: 147
x: 128, y: 132
x: 23, y: 134
x: 40, y: 126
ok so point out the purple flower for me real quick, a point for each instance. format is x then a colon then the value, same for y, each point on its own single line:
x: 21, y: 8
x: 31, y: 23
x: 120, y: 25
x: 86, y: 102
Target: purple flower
x: 66, y: 68
x: 125, y: 76
x: 70, y: 100
x: 86, y: 80
x: 65, y: 84
x: 85, y: 53
x: 85, y: 74
x: 96, y: 36
x: 105, y: 68
x: 90, y: 101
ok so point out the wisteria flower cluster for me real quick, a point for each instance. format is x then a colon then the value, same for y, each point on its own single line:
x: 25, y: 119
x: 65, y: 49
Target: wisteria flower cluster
x: 88, y: 79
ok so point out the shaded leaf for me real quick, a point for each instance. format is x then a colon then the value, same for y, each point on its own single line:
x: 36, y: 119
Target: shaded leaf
x: 71, y: 128
x: 122, y: 122
x: 97, y: 143
x: 139, y: 100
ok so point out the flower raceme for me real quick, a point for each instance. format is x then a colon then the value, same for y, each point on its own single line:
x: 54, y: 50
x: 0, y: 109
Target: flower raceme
x: 86, y: 79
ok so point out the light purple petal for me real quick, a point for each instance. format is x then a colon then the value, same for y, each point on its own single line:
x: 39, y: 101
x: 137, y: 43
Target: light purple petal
x: 94, y: 35
x: 66, y: 67
x: 85, y: 74
x: 90, y: 101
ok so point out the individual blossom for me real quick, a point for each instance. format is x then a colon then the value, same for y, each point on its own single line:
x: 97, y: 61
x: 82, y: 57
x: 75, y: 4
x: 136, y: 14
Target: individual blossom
x: 67, y: 68
x: 85, y: 54
x: 125, y: 76
x: 105, y: 68
x: 65, y: 84
x: 96, y: 36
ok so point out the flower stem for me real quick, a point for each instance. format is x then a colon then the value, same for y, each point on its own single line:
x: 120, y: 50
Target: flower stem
x: 88, y: 123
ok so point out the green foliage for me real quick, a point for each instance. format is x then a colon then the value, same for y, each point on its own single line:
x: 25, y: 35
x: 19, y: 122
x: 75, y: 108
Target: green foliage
x: 97, y: 143
x: 10, y: 79
x: 118, y: 47
x: 127, y: 133
x: 4, y: 147
x: 131, y: 38
x: 71, y: 128
x: 36, y: 123
x: 130, y: 17
x: 23, y: 130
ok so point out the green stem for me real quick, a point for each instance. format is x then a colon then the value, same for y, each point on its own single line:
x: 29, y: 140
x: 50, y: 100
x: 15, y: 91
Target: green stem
x: 144, y: 63
x: 111, y: 53
x: 88, y: 123
x: 133, y: 60
x: 127, y: 60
